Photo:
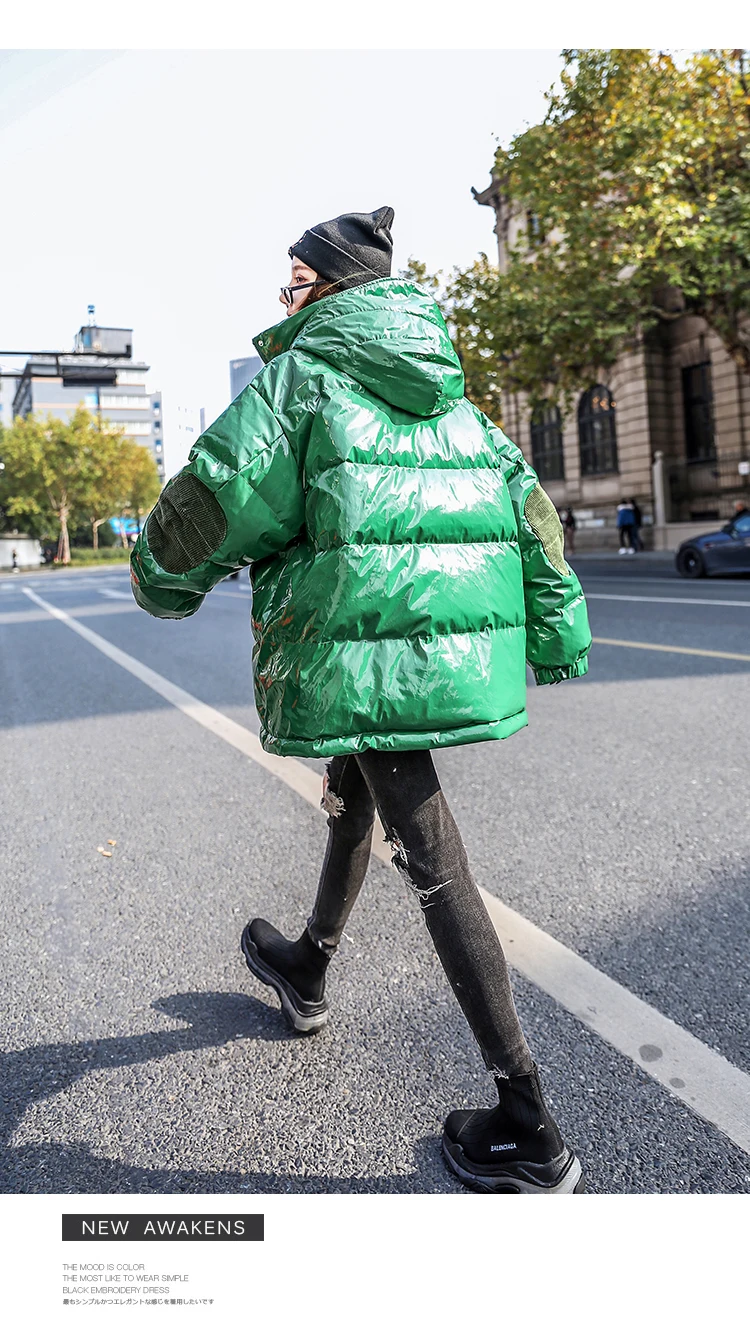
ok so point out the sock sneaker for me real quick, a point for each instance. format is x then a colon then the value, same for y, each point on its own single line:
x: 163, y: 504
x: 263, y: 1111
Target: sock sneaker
x: 295, y: 969
x: 514, y: 1148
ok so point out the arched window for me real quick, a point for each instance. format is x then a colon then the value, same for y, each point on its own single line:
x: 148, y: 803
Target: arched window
x: 698, y: 404
x: 547, y: 444
x: 596, y: 431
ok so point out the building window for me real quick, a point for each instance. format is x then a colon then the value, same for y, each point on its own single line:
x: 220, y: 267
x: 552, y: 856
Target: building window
x: 534, y: 229
x: 596, y: 431
x: 122, y: 402
x: 698, y: 404
x: 129, y: 427
x: 547, y: 444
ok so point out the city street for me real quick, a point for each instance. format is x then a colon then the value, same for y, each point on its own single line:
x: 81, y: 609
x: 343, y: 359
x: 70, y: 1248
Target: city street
x: 140, y: 832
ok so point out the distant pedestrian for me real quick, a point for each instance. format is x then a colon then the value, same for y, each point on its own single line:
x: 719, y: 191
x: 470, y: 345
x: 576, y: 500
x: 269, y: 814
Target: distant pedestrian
x: 14, y: 561
x: 569, y: 529
x: 740, y: 509
x: 396, y: 537
x: 625, y: 525
x: 637, y: 523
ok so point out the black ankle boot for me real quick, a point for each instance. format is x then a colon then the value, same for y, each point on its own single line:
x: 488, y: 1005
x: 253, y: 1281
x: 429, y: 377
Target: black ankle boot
x: 514, y: 1147
x: 295, y: 969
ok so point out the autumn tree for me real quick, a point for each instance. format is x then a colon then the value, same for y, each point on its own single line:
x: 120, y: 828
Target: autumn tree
x: 143, y: 484
x: 635, y: 190
x: 107, y: 480
x: 123, y: 479
x: 56, y: 473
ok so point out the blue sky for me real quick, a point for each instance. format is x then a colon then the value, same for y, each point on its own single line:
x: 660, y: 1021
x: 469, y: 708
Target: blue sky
x: 166, y: 186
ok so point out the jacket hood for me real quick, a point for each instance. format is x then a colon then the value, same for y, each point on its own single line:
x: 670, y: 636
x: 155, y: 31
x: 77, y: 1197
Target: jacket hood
x: 389, y: 335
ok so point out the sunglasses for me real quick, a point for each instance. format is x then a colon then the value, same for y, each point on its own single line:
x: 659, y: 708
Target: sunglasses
x: 288, y: 293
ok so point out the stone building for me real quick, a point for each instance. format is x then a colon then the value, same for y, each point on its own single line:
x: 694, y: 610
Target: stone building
x: 668, y: 425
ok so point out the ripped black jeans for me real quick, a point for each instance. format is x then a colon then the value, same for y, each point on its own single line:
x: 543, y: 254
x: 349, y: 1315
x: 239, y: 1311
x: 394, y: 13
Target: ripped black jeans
x: 431, y: 857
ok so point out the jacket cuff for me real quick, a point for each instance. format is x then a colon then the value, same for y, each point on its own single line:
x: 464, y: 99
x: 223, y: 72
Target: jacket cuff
x: 560, y: 672
x: 164, y: 603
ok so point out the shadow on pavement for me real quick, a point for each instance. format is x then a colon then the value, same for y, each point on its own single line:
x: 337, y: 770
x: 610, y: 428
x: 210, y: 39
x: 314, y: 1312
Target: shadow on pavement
x: 40, y: 1072
x: 72, y: 1169
x: 213, y: 1018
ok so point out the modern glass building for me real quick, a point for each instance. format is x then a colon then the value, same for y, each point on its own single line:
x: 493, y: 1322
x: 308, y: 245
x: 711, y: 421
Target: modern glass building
x: 241, y: 373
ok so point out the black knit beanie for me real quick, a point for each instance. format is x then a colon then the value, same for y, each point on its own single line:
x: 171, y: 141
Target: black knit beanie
x: 349, y: 250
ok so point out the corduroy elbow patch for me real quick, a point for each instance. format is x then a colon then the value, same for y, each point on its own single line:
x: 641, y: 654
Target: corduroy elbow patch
x: 542, y: 516
x: 186, y: 526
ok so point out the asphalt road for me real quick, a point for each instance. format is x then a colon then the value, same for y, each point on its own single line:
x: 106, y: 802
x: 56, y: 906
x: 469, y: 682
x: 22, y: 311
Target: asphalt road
x: 138, y: 1053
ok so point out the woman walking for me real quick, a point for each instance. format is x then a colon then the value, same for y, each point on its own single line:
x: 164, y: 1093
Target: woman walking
x: 405, y: 566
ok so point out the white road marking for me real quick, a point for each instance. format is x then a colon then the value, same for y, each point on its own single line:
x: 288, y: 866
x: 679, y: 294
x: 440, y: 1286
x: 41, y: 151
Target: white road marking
x: 674, y: 583
x: 117, y: 594
x: 675, y: 650
x: 65, y: 583
x: 654, y: 571
x: 698, y: 1076
x: 667, y: 599
x: 701, y: 1078
x: 80, y: 610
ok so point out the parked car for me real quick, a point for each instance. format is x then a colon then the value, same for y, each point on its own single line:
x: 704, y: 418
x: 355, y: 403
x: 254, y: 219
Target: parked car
x: 723, y: 552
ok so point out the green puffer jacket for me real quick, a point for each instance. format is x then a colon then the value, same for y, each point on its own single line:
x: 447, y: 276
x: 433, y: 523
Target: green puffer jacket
x: 405, y: 561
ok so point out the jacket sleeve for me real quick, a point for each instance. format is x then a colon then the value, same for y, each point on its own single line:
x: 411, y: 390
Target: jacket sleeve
x: 239, y: 499
x: 558, y: 637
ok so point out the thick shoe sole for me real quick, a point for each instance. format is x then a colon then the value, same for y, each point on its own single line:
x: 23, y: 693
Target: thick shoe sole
x: 509, y: 1180
x: 301, y: 1022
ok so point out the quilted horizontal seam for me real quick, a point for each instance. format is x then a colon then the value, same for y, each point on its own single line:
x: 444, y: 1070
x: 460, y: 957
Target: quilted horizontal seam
x: 396, y: 465
x: 416, y: 544
x: 249, y: 464
x: 404, y: 637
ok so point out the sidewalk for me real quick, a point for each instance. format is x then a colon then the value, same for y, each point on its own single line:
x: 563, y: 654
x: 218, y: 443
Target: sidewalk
x: 49, y: 570
x: 665, y: 556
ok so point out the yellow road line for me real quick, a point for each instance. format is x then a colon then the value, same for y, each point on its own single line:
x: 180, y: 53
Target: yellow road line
x: 678, y: 650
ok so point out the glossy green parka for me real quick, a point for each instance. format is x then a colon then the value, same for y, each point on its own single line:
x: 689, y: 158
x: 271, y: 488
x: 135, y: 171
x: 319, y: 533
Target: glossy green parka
x: 405, y: 561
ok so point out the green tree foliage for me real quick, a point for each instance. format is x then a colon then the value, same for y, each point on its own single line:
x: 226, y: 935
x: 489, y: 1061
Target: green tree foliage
x: 143, y: 485
x: 635, y: 192
x: 125, y: 481
x: 59, y: 474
